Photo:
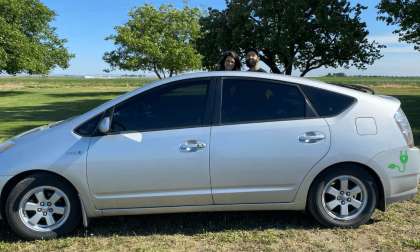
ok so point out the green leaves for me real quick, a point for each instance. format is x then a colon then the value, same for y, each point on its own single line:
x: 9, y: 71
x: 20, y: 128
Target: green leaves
x: 406, y: 14
x: 27, y: 42
x: 296, y: 34
x: 160, y: 40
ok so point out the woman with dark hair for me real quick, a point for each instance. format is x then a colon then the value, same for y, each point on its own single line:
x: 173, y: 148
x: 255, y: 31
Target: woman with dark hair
x: 230, y: 62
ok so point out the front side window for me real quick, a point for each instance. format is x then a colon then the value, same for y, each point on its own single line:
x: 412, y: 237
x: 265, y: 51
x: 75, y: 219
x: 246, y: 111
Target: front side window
x: 88, y: 128
x: 247, y: 100
x: 175, y: 105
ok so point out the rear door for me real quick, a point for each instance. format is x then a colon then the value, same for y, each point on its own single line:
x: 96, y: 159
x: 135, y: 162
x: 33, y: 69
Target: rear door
x: 267, y: 139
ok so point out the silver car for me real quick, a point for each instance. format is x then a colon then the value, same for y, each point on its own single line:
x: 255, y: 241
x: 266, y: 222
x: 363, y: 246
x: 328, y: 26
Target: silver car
x: 215, y: 141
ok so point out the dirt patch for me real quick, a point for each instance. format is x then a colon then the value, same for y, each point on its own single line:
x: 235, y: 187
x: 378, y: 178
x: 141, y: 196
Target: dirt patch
x: 11, y: 86
x: 395, y: 86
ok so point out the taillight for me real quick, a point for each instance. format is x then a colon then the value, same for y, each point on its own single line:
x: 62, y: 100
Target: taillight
x: 404, y: 126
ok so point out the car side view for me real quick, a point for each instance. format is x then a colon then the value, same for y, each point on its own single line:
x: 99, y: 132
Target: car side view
x: 213, y: 141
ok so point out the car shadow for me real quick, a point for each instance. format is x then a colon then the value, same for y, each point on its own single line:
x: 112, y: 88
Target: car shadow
x: 187, y: 224
x: 184, y: 224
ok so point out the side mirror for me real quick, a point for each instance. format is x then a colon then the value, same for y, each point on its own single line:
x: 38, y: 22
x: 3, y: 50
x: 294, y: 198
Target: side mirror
x: 105, y: 125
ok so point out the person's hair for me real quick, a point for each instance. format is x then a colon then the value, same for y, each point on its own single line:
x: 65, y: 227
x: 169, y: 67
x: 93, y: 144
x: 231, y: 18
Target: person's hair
x: 235, y: 56
x: 252, y: 50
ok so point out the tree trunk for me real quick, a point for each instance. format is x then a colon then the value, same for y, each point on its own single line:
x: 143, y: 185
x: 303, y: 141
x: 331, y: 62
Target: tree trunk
x: 156, y: 72
x: 289, y: 69
x: 269, y: 60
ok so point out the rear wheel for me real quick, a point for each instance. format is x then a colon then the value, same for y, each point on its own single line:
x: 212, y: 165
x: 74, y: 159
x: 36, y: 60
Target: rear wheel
x: 43, y: 206
x: 343, y: 197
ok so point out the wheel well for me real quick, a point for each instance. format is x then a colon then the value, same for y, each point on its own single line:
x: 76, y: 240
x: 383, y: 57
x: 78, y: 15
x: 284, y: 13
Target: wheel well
x: 380, y: 193
x: 16, y: 179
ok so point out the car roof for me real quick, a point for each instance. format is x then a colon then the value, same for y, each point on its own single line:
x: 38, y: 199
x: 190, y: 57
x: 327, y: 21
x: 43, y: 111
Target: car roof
x: 270, y: 76
x: 245, y: 74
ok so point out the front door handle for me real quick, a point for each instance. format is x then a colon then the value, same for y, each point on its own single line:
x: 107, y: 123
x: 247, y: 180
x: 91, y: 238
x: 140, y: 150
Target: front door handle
x: 192, y: 146
x: 311, y: 137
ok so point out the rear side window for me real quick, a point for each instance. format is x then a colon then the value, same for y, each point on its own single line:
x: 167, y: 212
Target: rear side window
x: 327, y: 103
x: 248, y: 100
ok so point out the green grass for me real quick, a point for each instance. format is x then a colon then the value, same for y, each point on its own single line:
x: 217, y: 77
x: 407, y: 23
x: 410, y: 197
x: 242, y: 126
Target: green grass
x: 29, y: 102
x: 377, y: 81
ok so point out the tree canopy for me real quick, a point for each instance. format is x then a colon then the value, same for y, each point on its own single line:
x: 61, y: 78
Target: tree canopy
x: 292, y: 34
x: 159, y: 40
x: 406, y: 14
x: 28, y: 43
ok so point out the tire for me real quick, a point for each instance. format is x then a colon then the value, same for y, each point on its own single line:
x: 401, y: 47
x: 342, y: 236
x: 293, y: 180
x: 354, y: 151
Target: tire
x: 43, y: 206
x: 328, y: 197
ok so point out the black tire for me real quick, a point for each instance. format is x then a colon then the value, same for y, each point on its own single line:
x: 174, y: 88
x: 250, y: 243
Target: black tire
x: 35, y: 181
x: 317, y: 202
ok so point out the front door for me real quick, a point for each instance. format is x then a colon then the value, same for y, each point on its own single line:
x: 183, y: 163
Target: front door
x: 158, y: 151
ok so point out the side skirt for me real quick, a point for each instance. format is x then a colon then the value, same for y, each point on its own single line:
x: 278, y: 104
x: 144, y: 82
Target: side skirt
x: 206, y: 208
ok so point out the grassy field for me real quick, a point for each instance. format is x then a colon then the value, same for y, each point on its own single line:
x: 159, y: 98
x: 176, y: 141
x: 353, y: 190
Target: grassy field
x: 29, y: 102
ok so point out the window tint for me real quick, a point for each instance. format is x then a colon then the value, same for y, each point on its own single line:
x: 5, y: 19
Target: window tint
x: 256, y: 100
x: 327, y: 103
x: 89, y: 127
x: 172, y: 106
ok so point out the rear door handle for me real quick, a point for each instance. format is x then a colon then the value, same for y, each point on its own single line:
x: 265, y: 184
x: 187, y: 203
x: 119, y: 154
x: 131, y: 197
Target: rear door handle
x: 192, y: 146
x: 312, y: 137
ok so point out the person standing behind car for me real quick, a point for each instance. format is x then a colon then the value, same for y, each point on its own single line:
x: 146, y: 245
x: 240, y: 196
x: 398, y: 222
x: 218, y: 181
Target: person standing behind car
x: 230, y: 62
x: 252, y: 60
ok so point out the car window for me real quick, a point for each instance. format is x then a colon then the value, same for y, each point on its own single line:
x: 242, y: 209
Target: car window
x: 88, y: 128
x: 175, y: 105
x: 327, y: 103
x: 247, y: 100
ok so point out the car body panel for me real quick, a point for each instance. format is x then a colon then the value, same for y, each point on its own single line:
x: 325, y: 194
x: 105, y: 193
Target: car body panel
x: 148, y: 169
x: 263, y: 162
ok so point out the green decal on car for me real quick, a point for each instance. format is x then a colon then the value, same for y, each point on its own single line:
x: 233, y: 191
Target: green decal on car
x: 403, y: 160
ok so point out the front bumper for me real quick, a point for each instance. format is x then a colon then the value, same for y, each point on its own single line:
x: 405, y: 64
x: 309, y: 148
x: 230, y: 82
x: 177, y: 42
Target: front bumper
x: 3, y: 181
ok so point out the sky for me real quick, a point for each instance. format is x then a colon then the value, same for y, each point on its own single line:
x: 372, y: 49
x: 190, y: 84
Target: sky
x: 86, y: 24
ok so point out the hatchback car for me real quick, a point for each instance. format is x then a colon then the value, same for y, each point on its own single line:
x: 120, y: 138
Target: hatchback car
x: 215, y: 141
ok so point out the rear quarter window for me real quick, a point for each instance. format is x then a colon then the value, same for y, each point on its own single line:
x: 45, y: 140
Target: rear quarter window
x: 327, y: 103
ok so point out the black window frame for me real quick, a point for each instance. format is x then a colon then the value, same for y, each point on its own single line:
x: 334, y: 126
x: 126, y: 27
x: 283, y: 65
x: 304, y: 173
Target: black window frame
x: 311, y: 113
x: 95, y: 130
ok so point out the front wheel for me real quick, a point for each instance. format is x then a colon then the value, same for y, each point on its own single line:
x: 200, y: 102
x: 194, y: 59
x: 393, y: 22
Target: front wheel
x: 343, y: 197
x: 43, y: 206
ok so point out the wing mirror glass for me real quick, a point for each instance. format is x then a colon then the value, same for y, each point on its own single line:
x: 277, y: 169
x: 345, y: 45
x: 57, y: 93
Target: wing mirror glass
x: 105, y: 125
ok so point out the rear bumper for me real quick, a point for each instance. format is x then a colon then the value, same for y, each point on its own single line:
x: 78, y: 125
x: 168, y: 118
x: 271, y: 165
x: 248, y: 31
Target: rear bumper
x: 401, y: 197
x: 401, y: 167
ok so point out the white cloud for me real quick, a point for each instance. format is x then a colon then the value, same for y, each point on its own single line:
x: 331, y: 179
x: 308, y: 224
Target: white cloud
x: 406, y: 49
x: 386, y: 39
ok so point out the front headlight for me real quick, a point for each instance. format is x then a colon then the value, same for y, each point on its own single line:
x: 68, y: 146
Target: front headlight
x: 6, y: 145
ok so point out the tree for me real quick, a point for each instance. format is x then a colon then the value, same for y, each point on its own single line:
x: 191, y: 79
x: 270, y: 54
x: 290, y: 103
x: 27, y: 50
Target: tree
x: 28, y: 44
x: 159, y: 40
x: 302, y: 34
x: 406, y: 14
